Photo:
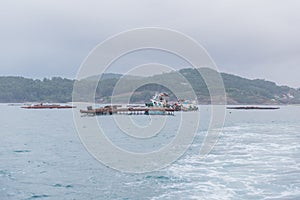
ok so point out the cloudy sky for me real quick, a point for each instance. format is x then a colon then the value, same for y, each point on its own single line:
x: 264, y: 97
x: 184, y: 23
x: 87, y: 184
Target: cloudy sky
x: 251, y: 38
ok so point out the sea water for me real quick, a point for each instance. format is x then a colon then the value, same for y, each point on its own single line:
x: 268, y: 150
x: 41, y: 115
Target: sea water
x: 257, y: 156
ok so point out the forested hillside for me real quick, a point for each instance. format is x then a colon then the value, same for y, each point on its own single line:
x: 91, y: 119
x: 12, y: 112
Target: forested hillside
x: 19, y: 89
x: 239, y: 90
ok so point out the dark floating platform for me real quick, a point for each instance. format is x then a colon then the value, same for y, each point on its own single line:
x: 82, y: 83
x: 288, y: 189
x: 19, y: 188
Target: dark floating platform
x: 253, y: 108
x: 41, y: 106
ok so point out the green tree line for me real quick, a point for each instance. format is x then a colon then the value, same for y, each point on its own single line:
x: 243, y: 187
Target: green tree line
x: 239, y: 90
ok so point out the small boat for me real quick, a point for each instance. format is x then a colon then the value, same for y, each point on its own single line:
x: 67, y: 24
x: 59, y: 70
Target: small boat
x: 161, y: 100
x: 47, y: 106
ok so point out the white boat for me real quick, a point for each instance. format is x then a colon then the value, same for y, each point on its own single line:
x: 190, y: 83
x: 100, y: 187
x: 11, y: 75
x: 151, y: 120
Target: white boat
x: 161, y: 100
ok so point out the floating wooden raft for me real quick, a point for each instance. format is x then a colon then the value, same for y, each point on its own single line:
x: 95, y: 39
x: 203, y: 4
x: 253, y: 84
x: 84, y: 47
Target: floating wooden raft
x: 253, y: 108
x: 110, y: 110
x: 52, y: 106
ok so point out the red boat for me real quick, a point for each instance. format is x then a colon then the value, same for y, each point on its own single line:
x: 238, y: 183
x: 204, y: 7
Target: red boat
x: 48, y: 106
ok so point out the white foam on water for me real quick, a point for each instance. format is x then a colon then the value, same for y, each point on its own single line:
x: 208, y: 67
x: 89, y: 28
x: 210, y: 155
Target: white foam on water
x: 249, y: 162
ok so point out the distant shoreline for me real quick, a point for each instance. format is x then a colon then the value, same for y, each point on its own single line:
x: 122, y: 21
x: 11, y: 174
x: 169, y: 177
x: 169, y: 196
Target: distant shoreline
x: 239, y: 91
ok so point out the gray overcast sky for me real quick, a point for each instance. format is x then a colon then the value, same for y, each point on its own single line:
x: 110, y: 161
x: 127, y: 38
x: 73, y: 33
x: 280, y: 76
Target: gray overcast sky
x: 251, y: 38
